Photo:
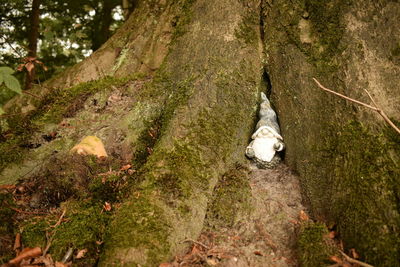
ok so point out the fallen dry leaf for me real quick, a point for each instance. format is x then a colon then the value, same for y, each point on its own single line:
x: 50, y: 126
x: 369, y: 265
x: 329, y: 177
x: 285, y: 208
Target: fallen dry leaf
x: 107, y: 206
x: 303, y: 216
x: 126, y: 167
x: 165, y: 264
x: 60, y: 264
x: 212, y: 262
x: 336, y: 259
x: 26, y: 254
x: 17, y: 242
x: 7, y: 186
x: 81, y: 253
x: 29, y: 67
x: 258, y: 253
x: 46, y: 260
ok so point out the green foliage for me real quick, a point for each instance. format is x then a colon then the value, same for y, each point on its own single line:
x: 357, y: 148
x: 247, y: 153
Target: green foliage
x: 9, y: 82
x: 69, y: 31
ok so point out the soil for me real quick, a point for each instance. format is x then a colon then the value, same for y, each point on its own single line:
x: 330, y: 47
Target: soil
x: 266, y: 238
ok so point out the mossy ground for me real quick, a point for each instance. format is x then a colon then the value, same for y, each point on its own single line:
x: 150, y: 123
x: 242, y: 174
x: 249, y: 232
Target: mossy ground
x: 314, y: 246
x: 60, y: 103
x: 80, y: 186
x: 6, y: 226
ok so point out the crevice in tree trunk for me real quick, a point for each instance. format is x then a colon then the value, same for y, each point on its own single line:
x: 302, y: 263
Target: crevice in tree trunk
x: 265, y: 80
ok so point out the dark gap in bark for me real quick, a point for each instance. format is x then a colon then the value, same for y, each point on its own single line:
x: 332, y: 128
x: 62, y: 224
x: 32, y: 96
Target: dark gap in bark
x: 265, y: 79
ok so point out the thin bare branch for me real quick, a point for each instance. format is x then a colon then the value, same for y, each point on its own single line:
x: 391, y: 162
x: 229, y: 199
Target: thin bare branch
x: 370, y: 97
x: 60, y: 219
x: 375, y: 107
x: 30, y: 94
x: 196, y: 242
x: 351, y: 260
x: 343, y: 96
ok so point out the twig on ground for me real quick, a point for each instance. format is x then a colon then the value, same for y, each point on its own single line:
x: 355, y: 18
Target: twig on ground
x: 375, y: 108
x: 49, y: 241
x: 17, y: 243
x: 60, y: 219
x: 30, y: 94
x: 196, y: 242
x: 351, y: 260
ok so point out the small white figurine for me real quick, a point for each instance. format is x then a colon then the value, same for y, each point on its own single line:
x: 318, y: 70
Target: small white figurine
x: 266, y: 139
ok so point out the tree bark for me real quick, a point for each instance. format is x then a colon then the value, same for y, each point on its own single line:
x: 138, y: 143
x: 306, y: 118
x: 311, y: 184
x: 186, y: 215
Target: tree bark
x: 33, y: 40
x: 207, y: 61
x: 210, y: 82
x: 103, y: 33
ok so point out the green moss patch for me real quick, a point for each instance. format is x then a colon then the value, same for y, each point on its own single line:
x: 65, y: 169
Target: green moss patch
x: 81, y: 186
x: 231, y: 197
x: 176, y: 172
x: 84, y: 228
x: 138, y: 233
x: 366, y: 195
x: 59, y: 104
x: 183, y: 18
x: 6, y: 227
x: 247, y: 30
x: 34, y: 230
x: 314, y: 246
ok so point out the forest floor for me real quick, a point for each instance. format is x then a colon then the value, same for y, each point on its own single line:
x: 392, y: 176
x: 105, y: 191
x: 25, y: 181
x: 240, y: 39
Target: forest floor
x: 266, y: 238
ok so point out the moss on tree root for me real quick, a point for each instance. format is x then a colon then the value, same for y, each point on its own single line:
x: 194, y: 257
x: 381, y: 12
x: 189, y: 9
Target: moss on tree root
x: 345, y: 155
x: 314, y: 246
x: 209, y: 95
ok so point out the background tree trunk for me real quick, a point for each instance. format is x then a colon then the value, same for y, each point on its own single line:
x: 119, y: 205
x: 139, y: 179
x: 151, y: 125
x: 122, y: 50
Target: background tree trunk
x: 32, y: 40
x: 102, y: 33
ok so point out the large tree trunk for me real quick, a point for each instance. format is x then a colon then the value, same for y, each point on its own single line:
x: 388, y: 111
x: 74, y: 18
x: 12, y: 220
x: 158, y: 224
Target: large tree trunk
x: 204, y: 64
x: 206, y: 97
x: 347, y: 156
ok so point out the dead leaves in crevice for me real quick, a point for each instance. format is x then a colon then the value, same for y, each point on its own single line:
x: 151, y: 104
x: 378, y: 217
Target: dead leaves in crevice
x: 201, y: 253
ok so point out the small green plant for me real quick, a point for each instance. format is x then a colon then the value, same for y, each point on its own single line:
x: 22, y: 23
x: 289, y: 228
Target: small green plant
x: 9, y: 81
